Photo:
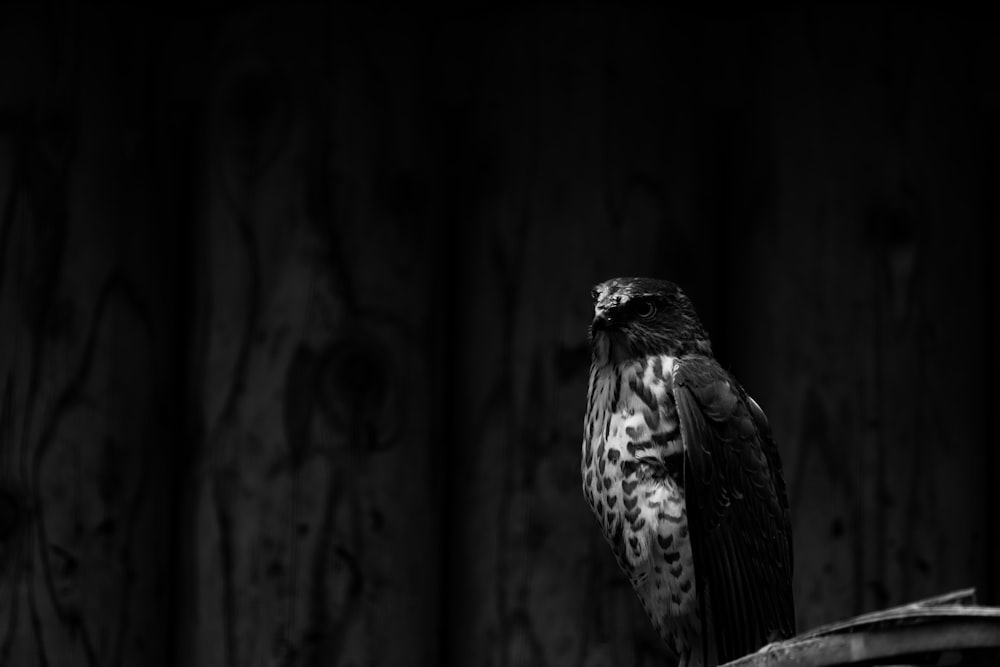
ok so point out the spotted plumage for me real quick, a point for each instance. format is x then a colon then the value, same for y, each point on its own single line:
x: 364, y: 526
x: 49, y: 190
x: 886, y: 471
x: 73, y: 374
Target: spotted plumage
x: 683, y: 476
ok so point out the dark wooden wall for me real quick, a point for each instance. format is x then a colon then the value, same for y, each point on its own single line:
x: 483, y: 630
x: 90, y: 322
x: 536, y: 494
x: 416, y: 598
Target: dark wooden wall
x: 293, y: 309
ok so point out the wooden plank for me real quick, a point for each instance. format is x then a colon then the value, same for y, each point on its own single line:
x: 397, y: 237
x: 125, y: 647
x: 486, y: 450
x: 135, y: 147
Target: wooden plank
x: 976, y: 636
x: 985, y: 52
x: 856, y: 285
x: 541, y: 586
x: 315, y: 527
x: 808, y: 321
x: 946, y: 627
x: 577, y: 145
x: 991, y: 252
x: 85, y: 372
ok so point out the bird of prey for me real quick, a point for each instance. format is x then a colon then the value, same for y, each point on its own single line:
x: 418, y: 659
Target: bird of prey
x: 682, y: 473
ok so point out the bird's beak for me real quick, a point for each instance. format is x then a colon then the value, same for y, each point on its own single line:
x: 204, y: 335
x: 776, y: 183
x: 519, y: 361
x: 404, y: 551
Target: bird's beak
x: 601, y: 322
x: 602, y: 331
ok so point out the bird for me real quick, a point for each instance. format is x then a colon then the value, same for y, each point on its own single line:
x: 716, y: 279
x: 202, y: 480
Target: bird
x: 683, y: 475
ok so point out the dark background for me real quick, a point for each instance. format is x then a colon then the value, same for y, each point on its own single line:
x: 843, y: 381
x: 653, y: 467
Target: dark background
x: 293, y: 307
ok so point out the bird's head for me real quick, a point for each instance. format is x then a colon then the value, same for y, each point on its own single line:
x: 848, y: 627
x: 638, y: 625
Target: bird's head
x: 635, y: 317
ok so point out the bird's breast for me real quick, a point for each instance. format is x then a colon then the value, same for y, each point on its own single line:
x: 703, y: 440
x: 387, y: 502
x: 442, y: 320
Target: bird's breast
x: 631, y: 430
x: 632, y: 478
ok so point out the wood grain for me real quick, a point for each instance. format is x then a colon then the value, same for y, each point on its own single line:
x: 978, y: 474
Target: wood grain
x: 293, y: 305
x: 315, y: 518
x: 85, y: 424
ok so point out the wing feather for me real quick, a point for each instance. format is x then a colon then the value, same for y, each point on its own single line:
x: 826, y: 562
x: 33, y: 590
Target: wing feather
x: 737, y: 509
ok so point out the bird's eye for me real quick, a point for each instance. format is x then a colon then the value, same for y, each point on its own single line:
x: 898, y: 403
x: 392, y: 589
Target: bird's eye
x: 645, y: 310
x: 594, y: 294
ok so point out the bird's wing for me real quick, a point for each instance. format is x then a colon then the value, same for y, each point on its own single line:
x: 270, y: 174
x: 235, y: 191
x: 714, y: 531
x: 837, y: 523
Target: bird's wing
x: 770, y: 449
x: 737, y: 510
